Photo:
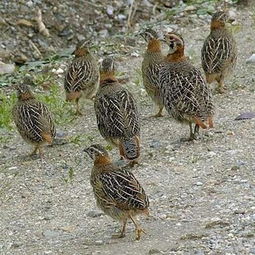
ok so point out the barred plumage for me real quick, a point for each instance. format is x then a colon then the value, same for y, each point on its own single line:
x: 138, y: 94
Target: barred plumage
x: 186, y: 96
x: 152, y: 59
x: 117, y: 191
x: 117, y: 115
x: 82, y: 75
x: 33, y: 119
x: 219, y: 51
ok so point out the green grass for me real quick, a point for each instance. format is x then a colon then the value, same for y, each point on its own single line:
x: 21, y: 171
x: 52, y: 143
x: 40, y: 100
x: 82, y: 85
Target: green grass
x: 6, y: 104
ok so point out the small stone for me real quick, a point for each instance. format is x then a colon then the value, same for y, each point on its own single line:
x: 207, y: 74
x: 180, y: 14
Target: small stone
x: 51, y: 234
x: 190, y: 8
x: 103, y: 33
x: 154, y: 251
x: 199, y: 183
x: 94, y: 214
x: 121, y: 17
x: 109, y: 10
x: 251, y: 59
x: 6, y: 68
x: 135, y: 54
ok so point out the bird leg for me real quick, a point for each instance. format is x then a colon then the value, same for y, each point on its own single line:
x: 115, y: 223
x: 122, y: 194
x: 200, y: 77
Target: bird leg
x: 138, y: 229
x: 34, y: 151
x: 123, y: 230
x: 196, y: 131
x: 78, y: 111
x: 121, y: 151
x: 159, y: 114
x: 221, y: 87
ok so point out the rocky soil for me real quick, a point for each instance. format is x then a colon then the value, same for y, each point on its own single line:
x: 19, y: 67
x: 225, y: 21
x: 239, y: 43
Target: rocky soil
x: 202, y: 193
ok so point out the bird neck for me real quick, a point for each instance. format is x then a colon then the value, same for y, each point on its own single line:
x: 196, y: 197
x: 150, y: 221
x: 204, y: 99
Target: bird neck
x: 177, y: 56
x: 216, y: 24
x: 26, y: 96
x: 81, y: 52
x: 154, y: 45
x: 102, y: 161
x: 107, y: 76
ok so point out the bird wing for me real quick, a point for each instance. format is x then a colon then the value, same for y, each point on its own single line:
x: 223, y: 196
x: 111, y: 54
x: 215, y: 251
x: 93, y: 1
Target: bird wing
x: 121, y: 189
x: 215, y: 52
x: 117, y: 114
x: 34, y: 119
x: 79, y: 73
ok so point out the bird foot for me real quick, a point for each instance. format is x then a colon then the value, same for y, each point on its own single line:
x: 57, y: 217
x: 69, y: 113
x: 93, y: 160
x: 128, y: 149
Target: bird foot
x: 157, y: 115
x: 118, y: 235
x: 189, y: 139
x: 138, y: 233
x: 221, y: 90
x: 78, y: 113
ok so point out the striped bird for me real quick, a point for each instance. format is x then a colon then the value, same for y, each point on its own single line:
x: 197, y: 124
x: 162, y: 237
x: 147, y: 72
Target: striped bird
x: 219, y: 53
x: 117, y: 115
x: 33, y: 119
x: 82, y: 75
x: 186, y: 96
x: 152, y: 59
x: 117, y: 191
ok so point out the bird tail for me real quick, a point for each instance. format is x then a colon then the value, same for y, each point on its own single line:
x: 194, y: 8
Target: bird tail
x: 130, y: 147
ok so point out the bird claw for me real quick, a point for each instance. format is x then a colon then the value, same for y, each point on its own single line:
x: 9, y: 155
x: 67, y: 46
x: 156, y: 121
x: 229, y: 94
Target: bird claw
x: 157, y: 115
x: 118, y: 235
x: 138, y: 233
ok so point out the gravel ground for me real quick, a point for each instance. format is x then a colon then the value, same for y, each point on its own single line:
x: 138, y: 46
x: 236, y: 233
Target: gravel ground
x: 201, y: 193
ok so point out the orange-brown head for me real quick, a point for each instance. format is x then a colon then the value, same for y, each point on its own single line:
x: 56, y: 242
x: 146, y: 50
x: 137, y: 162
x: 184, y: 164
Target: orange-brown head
x: 24, y: 92
x: 107, y: 69
x: 153, y: 40
x: 99, y: 154
x: 219, y: 19
x: 82, y: 48
x: 176, y: 46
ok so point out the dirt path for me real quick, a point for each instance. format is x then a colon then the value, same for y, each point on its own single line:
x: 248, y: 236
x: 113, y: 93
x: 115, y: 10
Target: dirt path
x: 201, y: 193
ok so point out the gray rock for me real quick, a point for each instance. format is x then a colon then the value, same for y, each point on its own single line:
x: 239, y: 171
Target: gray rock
x: 251, y: 59
x: 94, y: 214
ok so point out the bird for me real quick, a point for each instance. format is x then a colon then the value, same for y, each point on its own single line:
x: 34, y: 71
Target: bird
x: 117, y: 192
x: 116, y: 113
x: 82, y: 76
x: 186, y: 95
x: 152, y: 59
x: 33, y: 119
x: 219, y: 52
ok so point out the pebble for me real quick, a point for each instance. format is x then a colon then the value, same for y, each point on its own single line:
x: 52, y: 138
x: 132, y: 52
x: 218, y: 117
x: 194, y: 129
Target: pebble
x: 6, y: 68
x: 251, y: 59
x: 51, y: 234
x: 94, y: 214
x: 154, y: 251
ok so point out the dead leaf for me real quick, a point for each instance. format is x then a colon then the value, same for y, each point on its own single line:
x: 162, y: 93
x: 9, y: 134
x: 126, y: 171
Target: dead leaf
x: 24, y: 22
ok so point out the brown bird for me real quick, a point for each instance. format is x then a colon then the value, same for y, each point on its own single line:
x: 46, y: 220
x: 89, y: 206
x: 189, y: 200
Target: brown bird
x: 186, y: 96
x: 219, y: 53
x: 152, y: 59
x: 33, y: 119
x: 118, y: 193
x: 117, y: 115
x: 82, y: 75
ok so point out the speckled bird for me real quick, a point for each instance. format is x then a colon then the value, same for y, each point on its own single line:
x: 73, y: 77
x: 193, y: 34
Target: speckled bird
x: 186, y: 96
x: 82, y: 75
x: 118, y: 193
x: 33, y: 119
x: 152, y: 59
x: 117, y: 115
x: 219, y: 53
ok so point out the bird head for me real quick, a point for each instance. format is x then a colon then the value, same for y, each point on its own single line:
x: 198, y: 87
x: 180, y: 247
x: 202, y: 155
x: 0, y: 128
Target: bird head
x: 96, y: 151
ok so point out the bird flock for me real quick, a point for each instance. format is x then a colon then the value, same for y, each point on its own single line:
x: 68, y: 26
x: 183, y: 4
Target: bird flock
x: 170, y: 80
